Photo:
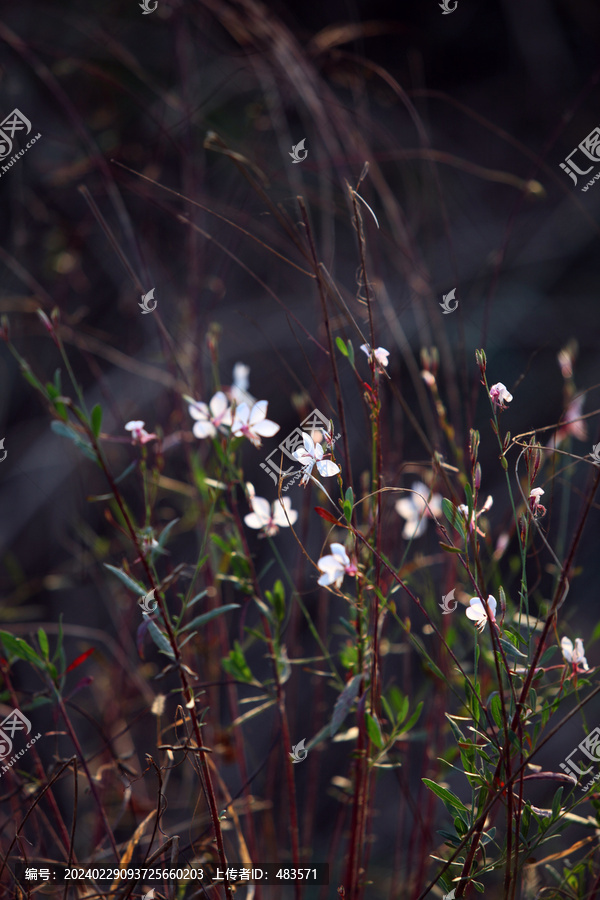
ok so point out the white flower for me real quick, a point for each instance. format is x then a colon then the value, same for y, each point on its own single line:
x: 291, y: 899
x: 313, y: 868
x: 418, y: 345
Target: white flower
x: 575, y: 656
x: 381, y: 355
x: 138, y: 433
x: 500, y: 395
x: 270, y: 520
x: 252, y: 422
x: 476, y: 611
x: 416, y: 512
x: 313, y: 454
x: 239, y: 389
x: 210, y: 418
x: 534, y: 502
x: 240, y: 376
x: 334, y: 566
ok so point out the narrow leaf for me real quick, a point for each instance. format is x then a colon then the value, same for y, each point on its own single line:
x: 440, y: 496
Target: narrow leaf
x: 160, y: 640
x: 344, y: 703
x: 326, y: 515
x: 96, y: 419
x: 341, y: 346
x: 42, y: 638
x: 211, y: 614
x: 139, y: 589
x: 446, y: 796
x: 80, y: 659
x: 373, y: 730
x: 19, y: 648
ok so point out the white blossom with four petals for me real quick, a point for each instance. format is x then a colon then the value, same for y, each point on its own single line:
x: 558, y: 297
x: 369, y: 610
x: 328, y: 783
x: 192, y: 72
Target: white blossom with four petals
x: 574, y: 655
x: 209, y: 419
x: 312, y: 454
x: 270, y: 517
x: 500, y: 395
x: 138, y: 432
x: 251, y: 422
x: 477, y: 612
x: 415, y: 510
x: 380, y: 355
x: 334, y: 566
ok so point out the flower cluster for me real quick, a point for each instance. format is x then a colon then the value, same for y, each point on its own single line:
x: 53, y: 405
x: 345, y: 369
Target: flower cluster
x: 242, y: 421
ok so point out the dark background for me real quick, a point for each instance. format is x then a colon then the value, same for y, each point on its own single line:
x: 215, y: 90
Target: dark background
x: 506, y: 87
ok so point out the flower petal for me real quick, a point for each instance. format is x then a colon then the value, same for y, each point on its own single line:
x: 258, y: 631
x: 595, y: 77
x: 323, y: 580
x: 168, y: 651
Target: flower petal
x: 258, y: 412
x: 254, y: 521
x: 266, y: 428
x: 198, y: 410
x: 218, y: 404
x: 262, y: 508
x: 339, y: 553
x: 327, y: 468
x: 204, y: 430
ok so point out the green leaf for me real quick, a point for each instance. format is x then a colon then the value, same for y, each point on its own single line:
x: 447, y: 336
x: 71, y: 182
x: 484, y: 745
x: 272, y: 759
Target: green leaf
x: 160, y: 639
x: 351, y: 353
x: 496, y: 709
x: 165, y: 533
x: 139, y: 589
x: 413, y: 719
x: 454, y: 516
x: 277, y: 598
x: 344, y: 703
x: 347, y: 506
x: 510, y: 649
x: 211, y: 614
x: 236, y: 666
x: 16, y: 646
x: 341, y: 346
x: 548, y: 654
x: 556, y: 803
x: 66, y: 431
x: 348, y: 626
x: 449, y: 548
x: 373, y: 730
x: 403, y: 711
x: 96, y: 419
x: 446, y: 796
x: 30, y: 377
x: 44, y: 643
x: 197, y: 597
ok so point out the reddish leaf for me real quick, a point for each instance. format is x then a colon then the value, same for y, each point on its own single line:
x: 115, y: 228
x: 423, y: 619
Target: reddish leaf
x: 79, y: 660
x: 326, y: 515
